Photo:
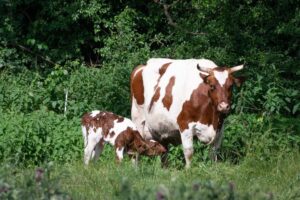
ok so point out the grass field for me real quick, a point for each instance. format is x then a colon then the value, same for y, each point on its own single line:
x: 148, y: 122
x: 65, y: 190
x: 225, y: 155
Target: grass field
x: 251, y: 179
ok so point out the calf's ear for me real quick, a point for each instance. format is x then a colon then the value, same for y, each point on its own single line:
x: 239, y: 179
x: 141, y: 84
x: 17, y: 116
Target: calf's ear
x: 141, y: 148
x: 239, y: 80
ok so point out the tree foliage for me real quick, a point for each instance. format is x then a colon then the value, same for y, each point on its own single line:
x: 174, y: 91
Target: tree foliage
x: 114, y: 36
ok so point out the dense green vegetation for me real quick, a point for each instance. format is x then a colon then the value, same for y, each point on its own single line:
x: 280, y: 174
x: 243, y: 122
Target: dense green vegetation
x: 59, y: 59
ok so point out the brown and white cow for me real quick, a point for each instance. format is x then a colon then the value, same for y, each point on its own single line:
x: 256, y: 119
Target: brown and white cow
x: 175, y: 100
x: 100, y: 127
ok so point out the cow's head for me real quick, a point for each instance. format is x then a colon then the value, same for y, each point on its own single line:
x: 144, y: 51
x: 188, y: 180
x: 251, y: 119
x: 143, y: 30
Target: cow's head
x: 220, y: 81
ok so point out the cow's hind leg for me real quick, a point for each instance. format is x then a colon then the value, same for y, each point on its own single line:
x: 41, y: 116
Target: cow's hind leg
x: 92, y: 140
x: 98, y: 150
x: 187, y: 144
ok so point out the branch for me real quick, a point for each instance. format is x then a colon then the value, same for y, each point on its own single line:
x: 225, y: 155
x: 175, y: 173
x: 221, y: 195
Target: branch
x: 166, y: 8
x: 35, y: 54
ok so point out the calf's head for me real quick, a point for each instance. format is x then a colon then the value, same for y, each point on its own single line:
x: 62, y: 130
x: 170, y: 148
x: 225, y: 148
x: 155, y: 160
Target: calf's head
x: 220, y: 81
x: 152, y: 148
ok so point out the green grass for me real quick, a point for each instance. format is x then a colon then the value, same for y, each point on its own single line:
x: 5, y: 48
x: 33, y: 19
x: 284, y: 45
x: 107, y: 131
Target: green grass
x: 278, y: 177
x: 103, y: 180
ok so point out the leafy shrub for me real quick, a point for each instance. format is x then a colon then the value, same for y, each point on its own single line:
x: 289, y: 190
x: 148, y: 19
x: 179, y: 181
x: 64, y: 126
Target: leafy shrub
x: 39, y: 137
x: 88, y: 89
x: 261, y: 136
x: 267, y: 92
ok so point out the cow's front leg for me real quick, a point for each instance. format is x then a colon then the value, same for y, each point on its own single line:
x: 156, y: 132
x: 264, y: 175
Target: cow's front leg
x: 187, y: 144
x: 217, y: 142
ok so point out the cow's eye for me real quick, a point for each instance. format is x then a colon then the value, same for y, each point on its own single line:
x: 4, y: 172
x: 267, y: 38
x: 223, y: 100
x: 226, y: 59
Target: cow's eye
x: 212, y: 87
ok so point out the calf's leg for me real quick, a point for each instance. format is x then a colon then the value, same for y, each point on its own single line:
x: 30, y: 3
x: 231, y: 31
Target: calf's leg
x: 119, y: 153
x: 93, y: 139
x: 98, y: 150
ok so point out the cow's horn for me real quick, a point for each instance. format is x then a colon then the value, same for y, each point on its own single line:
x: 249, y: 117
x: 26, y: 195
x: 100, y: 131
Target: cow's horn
x: 203, y: 69
x: 236, y: 68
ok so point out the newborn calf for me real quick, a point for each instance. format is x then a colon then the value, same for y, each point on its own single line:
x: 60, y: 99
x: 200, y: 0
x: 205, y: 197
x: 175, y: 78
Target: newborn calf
x: 100, y: 127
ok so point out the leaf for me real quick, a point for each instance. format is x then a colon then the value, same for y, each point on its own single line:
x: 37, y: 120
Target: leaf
x: 295, y: 108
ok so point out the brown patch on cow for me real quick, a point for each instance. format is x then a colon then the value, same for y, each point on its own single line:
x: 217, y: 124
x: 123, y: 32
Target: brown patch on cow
x: 104, y: 120
x: 161, y: 72
x: 155, y: 97
x: 137, y: 85
x: 168, y: 98
x: 163, y: 68
x: 132, y: 141
x: 112, y: 134
x: 198, y: 108
x: 128, y: 139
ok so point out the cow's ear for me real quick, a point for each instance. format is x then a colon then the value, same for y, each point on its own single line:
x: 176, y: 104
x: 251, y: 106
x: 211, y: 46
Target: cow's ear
x: 239, y: 80
x: 204, y: 77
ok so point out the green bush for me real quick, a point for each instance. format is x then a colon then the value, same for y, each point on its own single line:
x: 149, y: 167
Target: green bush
x: 38, y: 137
x: 260, y: 136
x: 88, y: 89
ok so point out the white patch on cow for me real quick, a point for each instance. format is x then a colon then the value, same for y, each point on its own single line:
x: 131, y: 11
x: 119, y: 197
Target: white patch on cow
x: 94, y: 113
x: 204, y: 132
x: 221, y: 76
x: 119, y: 152
x: 118, y: 128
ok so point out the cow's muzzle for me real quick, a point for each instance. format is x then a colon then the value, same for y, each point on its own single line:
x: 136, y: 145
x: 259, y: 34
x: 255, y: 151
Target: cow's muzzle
x: 223, y: 107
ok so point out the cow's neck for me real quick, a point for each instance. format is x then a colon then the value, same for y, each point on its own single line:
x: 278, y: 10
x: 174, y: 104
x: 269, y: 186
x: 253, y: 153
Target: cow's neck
x: 216, y: 115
